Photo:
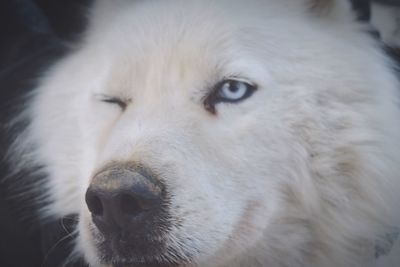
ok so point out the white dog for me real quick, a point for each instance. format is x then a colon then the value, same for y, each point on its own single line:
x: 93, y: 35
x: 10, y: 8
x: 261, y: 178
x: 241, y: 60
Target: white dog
x: 222, y: 133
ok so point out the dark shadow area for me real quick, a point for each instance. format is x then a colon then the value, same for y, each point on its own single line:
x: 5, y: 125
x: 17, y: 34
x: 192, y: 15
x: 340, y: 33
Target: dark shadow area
x: 32, y: 37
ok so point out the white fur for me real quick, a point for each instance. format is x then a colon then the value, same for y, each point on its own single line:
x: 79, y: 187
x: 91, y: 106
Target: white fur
x: 305, y: 173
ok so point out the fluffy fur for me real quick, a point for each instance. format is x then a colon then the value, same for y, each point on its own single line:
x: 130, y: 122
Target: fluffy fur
x: 305, y: 173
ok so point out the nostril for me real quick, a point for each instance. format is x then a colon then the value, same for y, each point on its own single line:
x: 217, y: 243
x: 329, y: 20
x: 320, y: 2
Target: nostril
x: 130, y: 205
x: 94, y: 204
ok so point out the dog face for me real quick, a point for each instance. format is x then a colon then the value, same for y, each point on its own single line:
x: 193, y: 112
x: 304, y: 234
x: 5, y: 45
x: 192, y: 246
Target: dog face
x: 199, y: 124
x: 191, y: 130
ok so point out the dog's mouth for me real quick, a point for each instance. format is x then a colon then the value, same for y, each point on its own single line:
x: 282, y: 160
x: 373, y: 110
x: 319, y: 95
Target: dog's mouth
x: 148, y: 250
x: 128, y: 257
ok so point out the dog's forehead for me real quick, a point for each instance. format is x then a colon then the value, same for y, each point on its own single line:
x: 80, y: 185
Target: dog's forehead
x: 168, y: 55
x: 182, y: 45
x: 190, y: 47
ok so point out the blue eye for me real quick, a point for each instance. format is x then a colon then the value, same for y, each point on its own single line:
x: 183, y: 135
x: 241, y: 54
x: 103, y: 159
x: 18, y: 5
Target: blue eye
x: 229, y: 91
x: 232, y: 91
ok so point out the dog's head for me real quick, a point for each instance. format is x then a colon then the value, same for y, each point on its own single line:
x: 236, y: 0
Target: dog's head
x: 210, y: 132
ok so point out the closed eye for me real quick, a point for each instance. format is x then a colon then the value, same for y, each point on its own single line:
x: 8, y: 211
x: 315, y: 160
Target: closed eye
x: 122, y: 103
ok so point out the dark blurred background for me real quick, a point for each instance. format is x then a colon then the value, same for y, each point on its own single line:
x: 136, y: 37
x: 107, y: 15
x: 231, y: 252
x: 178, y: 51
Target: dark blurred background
x: 33, y: 35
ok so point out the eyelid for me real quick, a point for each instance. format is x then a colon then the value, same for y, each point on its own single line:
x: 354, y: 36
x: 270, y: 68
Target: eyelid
x: 239, y: 79
x: 121, y: 102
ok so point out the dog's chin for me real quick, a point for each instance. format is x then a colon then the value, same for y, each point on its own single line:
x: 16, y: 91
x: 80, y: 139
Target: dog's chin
x: 123, y: 259
x: 116, y: 254
x: 145, y: 263
x: 135, y: 261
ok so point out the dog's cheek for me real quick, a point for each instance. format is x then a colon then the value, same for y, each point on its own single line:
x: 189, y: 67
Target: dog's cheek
x: 215, y: 197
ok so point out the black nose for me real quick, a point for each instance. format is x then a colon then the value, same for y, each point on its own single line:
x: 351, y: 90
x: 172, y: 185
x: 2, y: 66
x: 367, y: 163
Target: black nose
x: 124, y: 199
